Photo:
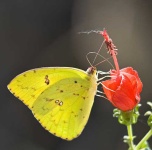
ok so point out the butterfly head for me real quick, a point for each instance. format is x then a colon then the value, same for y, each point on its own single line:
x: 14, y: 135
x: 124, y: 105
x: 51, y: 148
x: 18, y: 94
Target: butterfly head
x: 92, y: 70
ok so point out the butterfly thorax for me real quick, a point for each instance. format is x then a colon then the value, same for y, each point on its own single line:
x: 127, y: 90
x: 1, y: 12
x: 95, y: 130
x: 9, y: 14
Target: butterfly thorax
x: 92, y: 72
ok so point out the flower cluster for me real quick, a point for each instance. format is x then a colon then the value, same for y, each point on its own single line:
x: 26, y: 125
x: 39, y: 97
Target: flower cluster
x: 124, y: 87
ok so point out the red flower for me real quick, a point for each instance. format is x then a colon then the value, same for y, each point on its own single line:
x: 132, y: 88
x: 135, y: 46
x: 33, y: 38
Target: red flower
x: 123, y: 89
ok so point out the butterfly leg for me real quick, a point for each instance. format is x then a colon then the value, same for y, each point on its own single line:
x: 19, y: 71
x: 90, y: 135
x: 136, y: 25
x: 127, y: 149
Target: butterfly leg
x: 100, y: 79
x: 103, y: 73
x: 101, y: 96
x: 100, y: 93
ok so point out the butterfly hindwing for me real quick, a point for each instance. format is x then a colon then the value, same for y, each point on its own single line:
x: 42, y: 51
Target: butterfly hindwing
x: 64, y: 110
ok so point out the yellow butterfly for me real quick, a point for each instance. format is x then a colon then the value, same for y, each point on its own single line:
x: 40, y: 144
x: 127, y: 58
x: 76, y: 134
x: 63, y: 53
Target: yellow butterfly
x: 60, y: 98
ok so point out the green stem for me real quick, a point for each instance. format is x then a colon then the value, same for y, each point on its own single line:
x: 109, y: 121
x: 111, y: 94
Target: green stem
x: 130, y: 134
x: 144, y: 139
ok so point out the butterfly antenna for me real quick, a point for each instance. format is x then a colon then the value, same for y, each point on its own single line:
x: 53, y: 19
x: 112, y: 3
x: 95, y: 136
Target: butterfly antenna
x: 88, y: 59
x: 97, y: 54
x: 105, y: 59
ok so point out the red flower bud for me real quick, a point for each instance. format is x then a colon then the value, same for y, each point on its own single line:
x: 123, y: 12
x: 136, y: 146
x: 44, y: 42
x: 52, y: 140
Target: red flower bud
x: 123, y: 89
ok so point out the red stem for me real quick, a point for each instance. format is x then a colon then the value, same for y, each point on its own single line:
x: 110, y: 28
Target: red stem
x: 111, y: 48
x: 115, y: 61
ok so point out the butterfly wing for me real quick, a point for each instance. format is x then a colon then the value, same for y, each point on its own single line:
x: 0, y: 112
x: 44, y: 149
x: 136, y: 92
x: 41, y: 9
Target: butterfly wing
x: 60, y: 98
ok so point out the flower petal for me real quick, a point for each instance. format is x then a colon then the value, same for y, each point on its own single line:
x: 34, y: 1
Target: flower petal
x: 110, y: 86
x: 125, y: 96
x: 130, y: 71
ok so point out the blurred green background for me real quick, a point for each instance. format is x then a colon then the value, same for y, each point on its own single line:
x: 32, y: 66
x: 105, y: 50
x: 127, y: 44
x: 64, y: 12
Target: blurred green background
x: 38, y: 33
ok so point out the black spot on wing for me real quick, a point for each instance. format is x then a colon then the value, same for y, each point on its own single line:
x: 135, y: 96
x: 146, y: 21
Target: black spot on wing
x: 64, y: 121
x: 83, y: 97
x: 34, y: 89
x: 47, y: 81
x: 49, y: 99
x: 56, y: 101
x: 18, y: 80
x: 61, y: 103
x: 45, y: 109
x: 33, y: 96
x: 76, y: 94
